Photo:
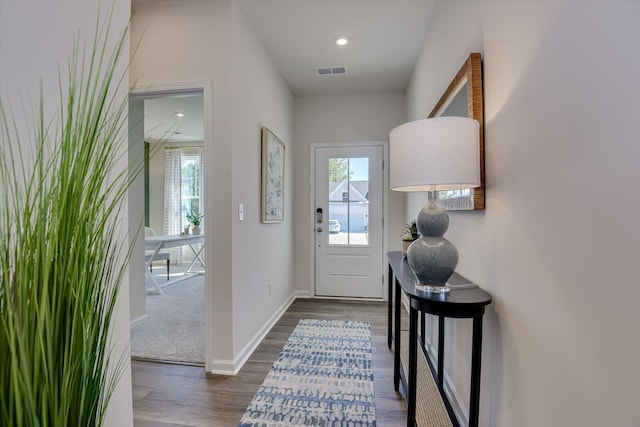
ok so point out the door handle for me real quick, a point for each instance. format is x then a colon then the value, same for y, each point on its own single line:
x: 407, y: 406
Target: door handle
x: 319, y: 229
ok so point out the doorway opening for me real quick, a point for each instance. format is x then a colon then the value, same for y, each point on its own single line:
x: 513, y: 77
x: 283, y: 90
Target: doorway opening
x: 167, y: 271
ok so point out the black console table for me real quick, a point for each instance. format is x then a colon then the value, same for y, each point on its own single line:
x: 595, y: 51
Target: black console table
x: 465, y: 300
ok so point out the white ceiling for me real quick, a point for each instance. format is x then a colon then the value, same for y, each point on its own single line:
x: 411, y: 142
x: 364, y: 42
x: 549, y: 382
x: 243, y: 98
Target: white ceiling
x: 385, y: 40
x: 162, y: 124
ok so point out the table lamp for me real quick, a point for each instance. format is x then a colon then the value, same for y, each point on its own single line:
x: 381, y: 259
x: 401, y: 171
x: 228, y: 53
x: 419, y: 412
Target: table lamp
x: 432, y: 155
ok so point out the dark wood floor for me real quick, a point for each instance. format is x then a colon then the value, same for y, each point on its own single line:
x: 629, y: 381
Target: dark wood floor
x: 170, y: 395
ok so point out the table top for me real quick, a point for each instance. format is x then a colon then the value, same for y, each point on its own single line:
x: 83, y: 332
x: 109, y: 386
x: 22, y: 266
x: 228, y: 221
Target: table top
x: 173, y: 240
x: 467, y: 301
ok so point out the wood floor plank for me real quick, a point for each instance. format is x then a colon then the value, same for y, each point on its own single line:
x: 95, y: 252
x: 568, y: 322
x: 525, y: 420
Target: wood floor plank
x: 179, y: 395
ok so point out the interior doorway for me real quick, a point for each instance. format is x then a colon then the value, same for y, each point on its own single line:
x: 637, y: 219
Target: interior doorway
x: 167, y: 201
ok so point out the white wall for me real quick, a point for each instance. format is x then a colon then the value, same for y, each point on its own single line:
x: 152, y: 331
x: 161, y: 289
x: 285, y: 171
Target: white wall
x: 156, y: 188
x: 194, y: 40
x: 189, y: 41
x: 340, y: 118
x: 135, y: 203
x: 262, y: 253
x: 558, y: 243
x: 35, y: 38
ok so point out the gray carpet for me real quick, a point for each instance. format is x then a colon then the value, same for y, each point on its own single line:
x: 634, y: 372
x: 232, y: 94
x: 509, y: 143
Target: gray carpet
x: 173, y: 331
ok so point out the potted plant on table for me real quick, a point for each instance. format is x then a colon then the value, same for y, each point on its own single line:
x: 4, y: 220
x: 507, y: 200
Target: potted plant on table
x: 195, y: 218
x: 410, y: 234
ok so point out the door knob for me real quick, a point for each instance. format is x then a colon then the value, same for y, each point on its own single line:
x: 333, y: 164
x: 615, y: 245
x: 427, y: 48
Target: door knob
x: 319, y: 229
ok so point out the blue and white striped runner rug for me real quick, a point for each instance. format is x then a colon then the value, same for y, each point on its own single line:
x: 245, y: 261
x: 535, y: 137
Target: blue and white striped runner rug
x: 322, y: 377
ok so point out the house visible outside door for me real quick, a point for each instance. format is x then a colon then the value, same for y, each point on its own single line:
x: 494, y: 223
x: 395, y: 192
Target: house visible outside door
x: 348, y: 217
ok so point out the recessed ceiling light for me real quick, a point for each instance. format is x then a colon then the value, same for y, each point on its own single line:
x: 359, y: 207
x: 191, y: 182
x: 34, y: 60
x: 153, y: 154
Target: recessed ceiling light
x: 179, y: 114
x: 341, y: 40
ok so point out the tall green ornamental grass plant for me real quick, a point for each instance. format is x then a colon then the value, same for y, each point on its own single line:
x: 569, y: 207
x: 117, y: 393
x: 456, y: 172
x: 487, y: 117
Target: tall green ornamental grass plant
x: 62, y: 253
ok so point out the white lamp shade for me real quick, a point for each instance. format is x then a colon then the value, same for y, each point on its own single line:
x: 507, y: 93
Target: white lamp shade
x: 435, y: 154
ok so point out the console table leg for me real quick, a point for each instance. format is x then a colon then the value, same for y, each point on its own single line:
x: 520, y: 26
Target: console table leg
x: 476, y: 361
x: 441, y: 352
x: 423, y: 327
x: 389, y: 306
x: 413, y: 366
x: 396, y: 343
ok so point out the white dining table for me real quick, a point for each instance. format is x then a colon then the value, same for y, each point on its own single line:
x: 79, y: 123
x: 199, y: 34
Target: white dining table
x: 157, y: 243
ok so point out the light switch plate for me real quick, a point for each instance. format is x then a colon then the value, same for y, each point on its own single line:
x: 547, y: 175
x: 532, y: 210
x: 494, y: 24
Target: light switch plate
x: 240, y: 212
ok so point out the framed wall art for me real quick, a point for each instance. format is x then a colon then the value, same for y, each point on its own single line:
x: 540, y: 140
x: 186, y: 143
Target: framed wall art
x: 272, y: 177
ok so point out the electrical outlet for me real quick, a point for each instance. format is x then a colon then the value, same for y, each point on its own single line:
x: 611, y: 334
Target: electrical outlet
x: 270, y: 287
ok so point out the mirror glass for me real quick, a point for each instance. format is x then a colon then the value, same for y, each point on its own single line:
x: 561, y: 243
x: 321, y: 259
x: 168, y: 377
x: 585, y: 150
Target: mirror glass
x: 458, y: 105
x: 463, y: 98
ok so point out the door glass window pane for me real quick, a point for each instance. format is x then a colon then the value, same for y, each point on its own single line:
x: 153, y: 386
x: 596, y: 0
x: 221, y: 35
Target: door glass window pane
x: 348, y: 201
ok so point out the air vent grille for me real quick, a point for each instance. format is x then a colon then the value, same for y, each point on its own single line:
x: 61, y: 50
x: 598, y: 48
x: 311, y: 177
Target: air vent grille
x: 331, y: 71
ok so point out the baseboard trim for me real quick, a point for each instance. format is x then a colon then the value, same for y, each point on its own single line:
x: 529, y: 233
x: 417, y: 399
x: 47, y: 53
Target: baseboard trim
x: 222, y: 367
x: 459, y: 408
x: 302, y: 294
x: 457, y: 403
x: 232, y: 367
x: 366, y: 299
x: 137, y: 319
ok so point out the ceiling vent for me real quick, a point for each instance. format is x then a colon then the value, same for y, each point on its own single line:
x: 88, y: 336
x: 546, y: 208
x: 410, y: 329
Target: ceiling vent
x: 331, y: 71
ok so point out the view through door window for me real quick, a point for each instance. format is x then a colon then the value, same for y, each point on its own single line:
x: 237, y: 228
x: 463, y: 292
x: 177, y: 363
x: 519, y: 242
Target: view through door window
x: 348, y: 201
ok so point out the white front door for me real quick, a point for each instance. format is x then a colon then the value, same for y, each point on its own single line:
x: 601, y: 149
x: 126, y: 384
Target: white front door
x: 348, y: 221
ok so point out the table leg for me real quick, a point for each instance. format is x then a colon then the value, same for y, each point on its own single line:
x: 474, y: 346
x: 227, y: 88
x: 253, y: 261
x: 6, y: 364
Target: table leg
x: 389, y: 307
x: 423, y: 327
x: 441, y: 352
x: 476, y: 361
x: 413, y: 366
x: 197, y: 254
x: 148, y: 274
x: 196, y: 258
x: 396, y: 343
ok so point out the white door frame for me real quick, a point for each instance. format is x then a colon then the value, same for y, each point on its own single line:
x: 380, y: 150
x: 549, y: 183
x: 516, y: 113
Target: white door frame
x: 173, y: 88
x: 312, y: 209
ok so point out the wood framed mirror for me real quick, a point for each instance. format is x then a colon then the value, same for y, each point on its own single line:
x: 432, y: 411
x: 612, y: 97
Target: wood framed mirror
x: 464, y: 97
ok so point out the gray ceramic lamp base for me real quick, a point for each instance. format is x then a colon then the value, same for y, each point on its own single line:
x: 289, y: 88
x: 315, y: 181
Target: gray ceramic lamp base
x: 432, y: 258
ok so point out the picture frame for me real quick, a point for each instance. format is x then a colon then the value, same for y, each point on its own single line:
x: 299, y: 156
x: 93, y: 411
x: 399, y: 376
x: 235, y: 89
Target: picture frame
x: 273, y: 164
